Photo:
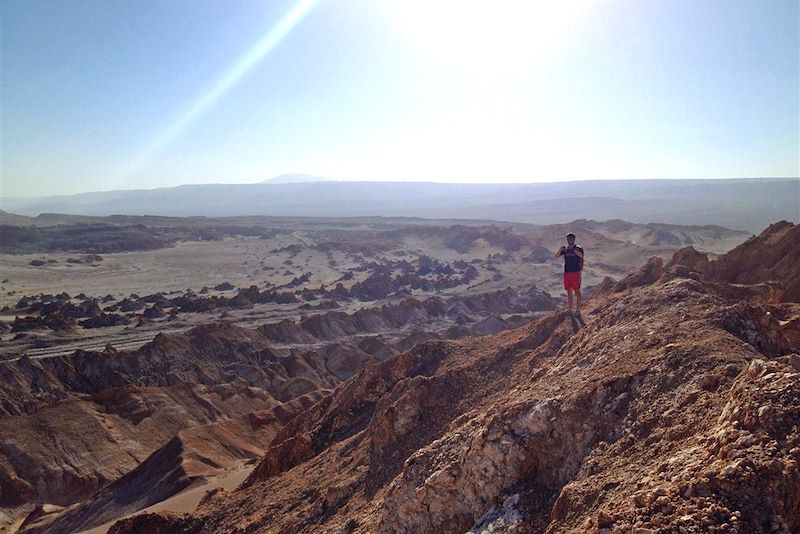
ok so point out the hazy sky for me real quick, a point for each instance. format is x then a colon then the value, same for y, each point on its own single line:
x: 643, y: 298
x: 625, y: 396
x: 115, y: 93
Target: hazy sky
x: 112, y: 94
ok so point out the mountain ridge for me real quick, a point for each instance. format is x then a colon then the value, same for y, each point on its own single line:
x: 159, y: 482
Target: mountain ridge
x: 744, y: 204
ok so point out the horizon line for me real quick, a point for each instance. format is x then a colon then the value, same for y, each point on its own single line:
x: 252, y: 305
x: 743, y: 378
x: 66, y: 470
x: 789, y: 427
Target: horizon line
x: 326, y: 180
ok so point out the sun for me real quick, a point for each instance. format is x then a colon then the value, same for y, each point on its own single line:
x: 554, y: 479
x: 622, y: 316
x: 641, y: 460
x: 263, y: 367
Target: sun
x: 496, y: 36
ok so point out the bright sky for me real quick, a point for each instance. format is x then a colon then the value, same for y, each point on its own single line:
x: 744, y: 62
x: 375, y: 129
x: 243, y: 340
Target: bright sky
x: 111, y: 94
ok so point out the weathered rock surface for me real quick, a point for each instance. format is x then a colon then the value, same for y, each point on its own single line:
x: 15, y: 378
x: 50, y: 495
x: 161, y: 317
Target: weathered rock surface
x: 78, y: 424
x: 556, y: 426
x: 774, y: 255
x: 194, y: 454
x: 676, y: 408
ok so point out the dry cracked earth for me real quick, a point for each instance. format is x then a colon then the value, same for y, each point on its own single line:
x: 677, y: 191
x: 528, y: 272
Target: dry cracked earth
x: 379, y: 377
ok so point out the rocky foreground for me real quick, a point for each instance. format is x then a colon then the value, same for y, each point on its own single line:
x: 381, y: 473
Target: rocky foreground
x: 90, y: 437
x: 674, y: 406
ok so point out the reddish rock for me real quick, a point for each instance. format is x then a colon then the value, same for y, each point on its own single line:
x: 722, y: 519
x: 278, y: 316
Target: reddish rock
x: 669, y: 410
x: 774, y: 255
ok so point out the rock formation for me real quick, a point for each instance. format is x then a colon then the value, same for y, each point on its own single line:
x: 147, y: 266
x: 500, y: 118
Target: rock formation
x: 772, y: 255
x: 670, y: 406
x: 675, y: 408
x: 92, y: 427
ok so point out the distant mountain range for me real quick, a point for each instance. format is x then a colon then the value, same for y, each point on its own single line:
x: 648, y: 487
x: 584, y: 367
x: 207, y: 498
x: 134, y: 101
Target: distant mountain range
x: 296, y: 179
x: 746, y: 204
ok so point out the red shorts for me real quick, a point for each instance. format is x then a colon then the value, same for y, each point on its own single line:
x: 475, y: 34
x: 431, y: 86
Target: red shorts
x: 572, y: 281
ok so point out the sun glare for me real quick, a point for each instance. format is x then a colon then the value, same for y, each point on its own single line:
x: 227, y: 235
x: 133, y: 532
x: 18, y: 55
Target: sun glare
x: 483, y: 114
x: 225, y: 83
x: 497, y: 36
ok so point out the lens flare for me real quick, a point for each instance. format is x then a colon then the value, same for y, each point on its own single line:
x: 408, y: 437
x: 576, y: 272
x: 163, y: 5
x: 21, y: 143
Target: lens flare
x: 230, y: 78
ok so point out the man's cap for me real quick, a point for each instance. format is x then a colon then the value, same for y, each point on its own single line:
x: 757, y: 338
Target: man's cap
x: 571, y: 235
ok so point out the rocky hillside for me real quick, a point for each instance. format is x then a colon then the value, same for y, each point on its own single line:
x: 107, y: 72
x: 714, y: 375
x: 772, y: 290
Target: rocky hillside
x: 597, y: 234
x: 673, y: 406
x: 107, y: 433
x: 773, y: 255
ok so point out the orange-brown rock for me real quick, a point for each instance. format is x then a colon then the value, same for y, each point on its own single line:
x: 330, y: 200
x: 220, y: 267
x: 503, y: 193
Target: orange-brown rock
x: 774, y: 255
x: 195, y: 453
x: 114, y: 430
x: 674, y: 408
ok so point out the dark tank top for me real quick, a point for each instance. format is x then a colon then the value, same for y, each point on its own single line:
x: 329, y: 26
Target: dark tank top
x: 572, y: 262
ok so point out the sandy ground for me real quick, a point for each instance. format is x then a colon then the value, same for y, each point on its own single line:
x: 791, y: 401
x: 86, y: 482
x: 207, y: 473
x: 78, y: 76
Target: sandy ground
x: 247, y: 261
x: 187, y: 500
x: 240, y: 261
x: 186, y: 265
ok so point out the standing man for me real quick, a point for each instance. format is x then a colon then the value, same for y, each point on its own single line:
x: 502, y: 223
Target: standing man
x: 573, y: 265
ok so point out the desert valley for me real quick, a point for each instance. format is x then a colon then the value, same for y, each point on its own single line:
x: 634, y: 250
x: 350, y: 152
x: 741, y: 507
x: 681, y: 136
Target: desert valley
x: 394, y: 375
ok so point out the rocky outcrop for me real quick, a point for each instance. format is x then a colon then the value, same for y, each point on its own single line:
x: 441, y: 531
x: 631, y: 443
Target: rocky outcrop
x: 68, y: 450
x: 771, y: 256
x: 738, y: 475
x: 539, y: 254
x: 92, y: 238
x: 689, y: 258
x: 117, y: 233
x: 193, y: 454
x: 765, y: 264
x: 647, y: 274
x: 75, y: 423
x: 386, y: 420
x: 87, y: 259
x: 653, y: 235
x: 462, y: 238
x: 672, y: 408
x: 218, y: 353
x: 108, y: 411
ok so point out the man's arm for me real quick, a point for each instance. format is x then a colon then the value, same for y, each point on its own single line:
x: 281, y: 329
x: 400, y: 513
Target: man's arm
x: 579, y: 251
x: 560, y: 251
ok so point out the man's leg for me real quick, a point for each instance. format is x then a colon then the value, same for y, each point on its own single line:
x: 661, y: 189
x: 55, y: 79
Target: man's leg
x: 569, y: 299
x: 578, y: 297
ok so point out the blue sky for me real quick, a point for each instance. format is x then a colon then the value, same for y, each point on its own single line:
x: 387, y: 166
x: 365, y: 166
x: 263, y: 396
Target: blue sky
x: 107, y: 94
